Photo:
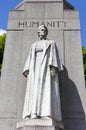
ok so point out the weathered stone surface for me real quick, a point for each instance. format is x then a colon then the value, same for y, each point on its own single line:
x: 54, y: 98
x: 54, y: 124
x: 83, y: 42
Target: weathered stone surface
x: 44, y: 10
x: 11, y: 69
x: 16, y: 15
x: 40, y: 123
x: 74, y: 61
x: 72, y: 14
x: 74, y: 124
x: 12, y: 87
x: 7, y: 123
x: 38, y: 128
x: 37, y: 124
x: 60, y: 24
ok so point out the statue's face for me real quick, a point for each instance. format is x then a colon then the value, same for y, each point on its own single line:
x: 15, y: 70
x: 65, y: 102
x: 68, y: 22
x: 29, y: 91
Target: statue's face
x: 42, y: 33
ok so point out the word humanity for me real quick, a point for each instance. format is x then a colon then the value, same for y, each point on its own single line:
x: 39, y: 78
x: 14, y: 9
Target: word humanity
x: 35, y: 24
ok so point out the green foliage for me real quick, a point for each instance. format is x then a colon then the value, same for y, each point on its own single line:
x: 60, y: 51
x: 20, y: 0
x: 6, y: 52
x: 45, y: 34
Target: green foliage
x: 2, y: 45
x: 84, y: 60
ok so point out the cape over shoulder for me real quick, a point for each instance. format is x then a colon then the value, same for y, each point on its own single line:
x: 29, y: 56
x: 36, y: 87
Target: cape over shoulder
x: 52, y: 42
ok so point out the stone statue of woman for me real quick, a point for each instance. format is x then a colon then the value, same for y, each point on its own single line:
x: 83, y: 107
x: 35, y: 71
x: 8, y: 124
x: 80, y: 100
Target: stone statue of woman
x: 42, y: 98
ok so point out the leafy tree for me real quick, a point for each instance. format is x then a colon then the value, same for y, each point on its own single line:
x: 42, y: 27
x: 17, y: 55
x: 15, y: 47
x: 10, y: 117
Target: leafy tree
x: 2, y: 45
x: 84, y: 60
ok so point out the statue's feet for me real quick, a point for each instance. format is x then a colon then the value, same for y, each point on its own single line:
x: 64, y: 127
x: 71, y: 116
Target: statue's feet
x: 27, y: 117
x: 46, y: 117
x: 34, y: 116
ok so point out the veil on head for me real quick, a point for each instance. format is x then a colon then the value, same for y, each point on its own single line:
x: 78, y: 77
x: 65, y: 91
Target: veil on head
x: 42, y: 25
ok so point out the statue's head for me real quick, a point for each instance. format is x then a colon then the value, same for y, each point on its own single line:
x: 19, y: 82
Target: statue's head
x: 42, y: 31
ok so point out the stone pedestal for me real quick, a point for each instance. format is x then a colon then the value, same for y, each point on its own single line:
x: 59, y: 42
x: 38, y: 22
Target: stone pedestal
x: 38, y: 128
x: 39, y: 124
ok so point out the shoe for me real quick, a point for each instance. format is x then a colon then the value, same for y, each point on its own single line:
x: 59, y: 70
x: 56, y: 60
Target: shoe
x: 34, y: 116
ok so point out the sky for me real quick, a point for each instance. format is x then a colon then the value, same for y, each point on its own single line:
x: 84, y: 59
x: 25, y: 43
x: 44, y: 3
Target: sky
x: 7, y: 5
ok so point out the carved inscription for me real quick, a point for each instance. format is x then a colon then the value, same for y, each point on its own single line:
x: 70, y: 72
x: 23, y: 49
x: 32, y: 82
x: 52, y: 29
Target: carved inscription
x: 60, y: 24
x: 36, y: 24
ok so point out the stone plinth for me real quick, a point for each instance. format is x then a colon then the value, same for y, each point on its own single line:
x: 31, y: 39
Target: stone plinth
x: 43, y: 124
x: 38, y: 128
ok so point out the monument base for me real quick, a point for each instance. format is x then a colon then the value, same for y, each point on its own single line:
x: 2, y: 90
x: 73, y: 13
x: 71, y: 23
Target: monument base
x: 39, y: 128
x: 39, y: 124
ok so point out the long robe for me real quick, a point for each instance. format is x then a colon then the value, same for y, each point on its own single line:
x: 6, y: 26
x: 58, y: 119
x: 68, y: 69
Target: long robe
x: 42, y: 91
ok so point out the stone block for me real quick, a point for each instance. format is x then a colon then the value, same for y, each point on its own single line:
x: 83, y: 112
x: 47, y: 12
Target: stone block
x: 16, y: 15
x: 7, y: 124
x: 35, y: 9
x: 44, y: 10
x: 76, y: 124
x: 71, y: 14
x: 10, y: 75
x: 54, y: 10
x: 37, y: 124
x: 19, y: 39
x: 74, y: 67
x: 38, y: 128
x: 59, y: 24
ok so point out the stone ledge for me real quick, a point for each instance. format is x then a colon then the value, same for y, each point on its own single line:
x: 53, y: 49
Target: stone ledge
x: 39, y: 128
x: 37, y: 1
x: 39, y: 122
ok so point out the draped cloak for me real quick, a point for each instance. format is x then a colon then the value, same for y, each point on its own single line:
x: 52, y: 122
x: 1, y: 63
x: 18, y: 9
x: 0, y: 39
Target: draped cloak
x: 43, y: 97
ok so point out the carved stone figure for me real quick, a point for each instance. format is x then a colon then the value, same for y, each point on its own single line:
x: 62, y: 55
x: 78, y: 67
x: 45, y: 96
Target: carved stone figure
x: 42, y: 98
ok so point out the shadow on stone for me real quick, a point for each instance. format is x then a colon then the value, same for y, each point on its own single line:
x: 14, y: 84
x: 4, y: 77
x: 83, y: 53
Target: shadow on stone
x: 72, y: 109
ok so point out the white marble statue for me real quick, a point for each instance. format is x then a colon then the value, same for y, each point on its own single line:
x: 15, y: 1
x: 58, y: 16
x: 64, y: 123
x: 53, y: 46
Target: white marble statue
x: 42, y: 98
